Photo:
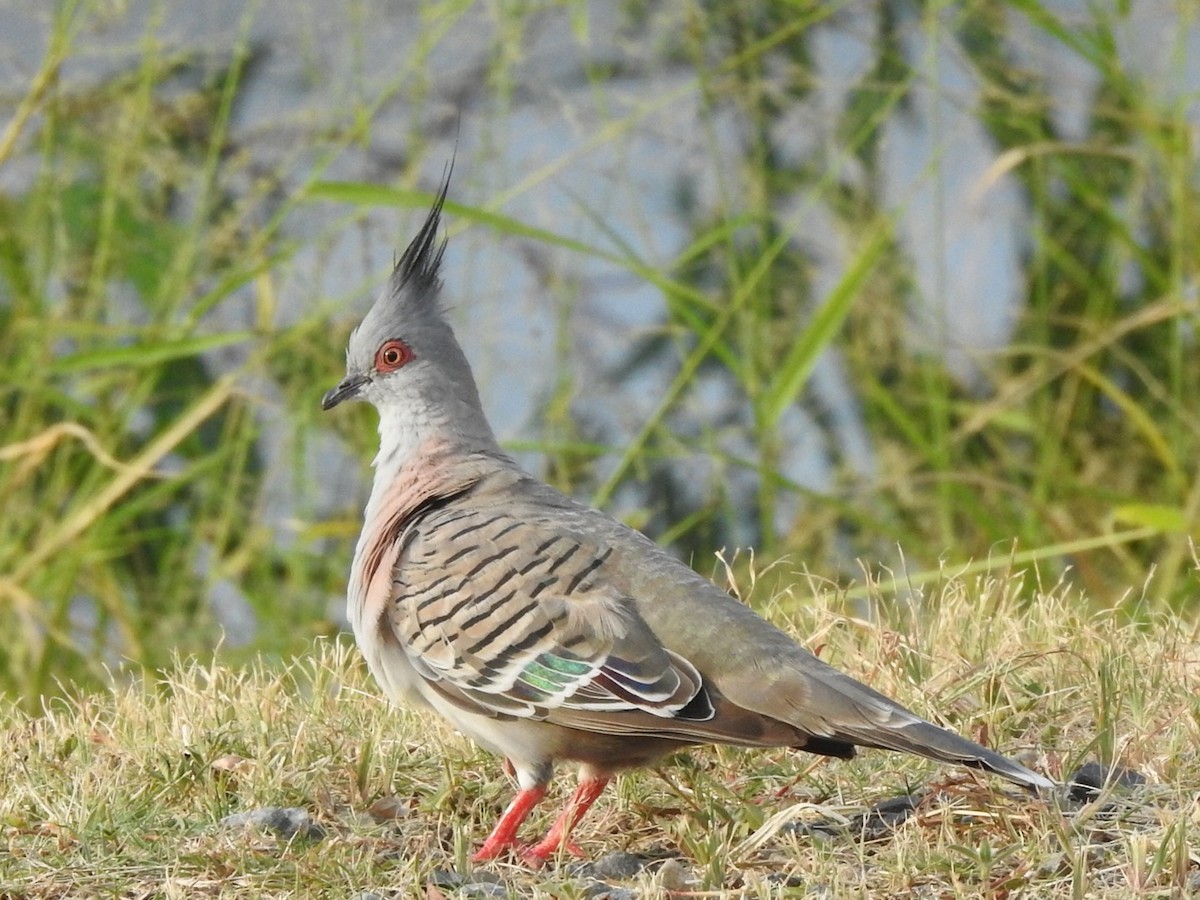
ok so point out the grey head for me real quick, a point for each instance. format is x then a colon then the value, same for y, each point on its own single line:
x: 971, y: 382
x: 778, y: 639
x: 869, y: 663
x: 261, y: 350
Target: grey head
x: 403, y: 357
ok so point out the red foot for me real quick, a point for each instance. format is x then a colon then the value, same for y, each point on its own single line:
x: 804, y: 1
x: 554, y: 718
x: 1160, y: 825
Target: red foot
x: 504, y: 835
x: 535, y: 856
x: 559, y: 836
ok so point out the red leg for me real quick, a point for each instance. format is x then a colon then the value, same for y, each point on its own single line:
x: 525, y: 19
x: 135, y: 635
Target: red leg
x: 504, y: 835
x: 560, y: 833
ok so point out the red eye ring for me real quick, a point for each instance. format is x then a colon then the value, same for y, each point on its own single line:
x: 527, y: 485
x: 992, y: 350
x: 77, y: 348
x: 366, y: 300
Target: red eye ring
x: 391, y: 356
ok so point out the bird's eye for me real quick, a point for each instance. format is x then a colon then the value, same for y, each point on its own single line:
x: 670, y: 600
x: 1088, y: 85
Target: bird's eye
x: 391, y: 356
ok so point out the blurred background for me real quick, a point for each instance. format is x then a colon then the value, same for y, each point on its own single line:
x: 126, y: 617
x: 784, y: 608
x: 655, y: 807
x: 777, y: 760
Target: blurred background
x: 882, y: 289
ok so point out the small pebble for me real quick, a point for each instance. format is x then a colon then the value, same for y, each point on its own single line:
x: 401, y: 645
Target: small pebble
x: 286, y: 822
x: 781, y: 880
x: 446, y: 878
x: 231, y: 763
x: 876, y: 823
x: 580, y: 869
x: 1089, y: 779
x: 674, y: 876
x: 388, y: 809
x: 476, y: 883
x: 598, y: 890
x: 618, y: 865
x: 483, y: 889
x: 483, y: 876
x: 1053, y: 865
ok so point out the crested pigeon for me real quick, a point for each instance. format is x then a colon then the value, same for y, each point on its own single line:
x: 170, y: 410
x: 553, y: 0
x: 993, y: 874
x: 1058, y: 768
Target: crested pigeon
x: 546, y: 630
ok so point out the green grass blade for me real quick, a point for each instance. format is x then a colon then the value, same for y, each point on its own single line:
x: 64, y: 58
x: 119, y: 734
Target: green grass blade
x: 794, y: 372
x: 150, y: 354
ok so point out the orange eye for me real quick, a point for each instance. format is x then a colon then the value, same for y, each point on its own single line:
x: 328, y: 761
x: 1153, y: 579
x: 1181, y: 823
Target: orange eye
x: 391, y: 356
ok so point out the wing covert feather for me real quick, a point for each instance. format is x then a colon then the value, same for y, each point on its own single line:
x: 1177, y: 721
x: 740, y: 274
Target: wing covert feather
x: 516, y: 619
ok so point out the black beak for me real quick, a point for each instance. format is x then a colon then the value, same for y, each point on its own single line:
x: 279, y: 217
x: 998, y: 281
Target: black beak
x: 347, y: 389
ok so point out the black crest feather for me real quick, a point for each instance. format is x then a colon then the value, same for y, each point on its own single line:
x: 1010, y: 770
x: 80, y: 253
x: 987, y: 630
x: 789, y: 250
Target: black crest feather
x: 420, y: 264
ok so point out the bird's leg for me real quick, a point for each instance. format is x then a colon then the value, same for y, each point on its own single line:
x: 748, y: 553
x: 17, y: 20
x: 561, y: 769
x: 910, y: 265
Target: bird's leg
x: 504, y: 835
x: 590, y: 787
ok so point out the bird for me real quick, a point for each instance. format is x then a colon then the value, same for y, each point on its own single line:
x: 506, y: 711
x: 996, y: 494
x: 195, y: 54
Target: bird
x: 546, y: 630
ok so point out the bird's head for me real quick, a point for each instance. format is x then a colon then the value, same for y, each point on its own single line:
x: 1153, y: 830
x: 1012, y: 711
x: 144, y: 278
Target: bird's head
x: 403, y: 357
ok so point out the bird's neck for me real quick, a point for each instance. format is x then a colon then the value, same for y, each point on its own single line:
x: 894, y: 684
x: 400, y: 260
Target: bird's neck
x: 428, y: 451
x: 455, y: 429
x: 411, y: 472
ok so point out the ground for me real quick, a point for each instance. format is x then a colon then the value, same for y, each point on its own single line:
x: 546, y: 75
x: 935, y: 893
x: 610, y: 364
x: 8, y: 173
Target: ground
x: 145, y: 790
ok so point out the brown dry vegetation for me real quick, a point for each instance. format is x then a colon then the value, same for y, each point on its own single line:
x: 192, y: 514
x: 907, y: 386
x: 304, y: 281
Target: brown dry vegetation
x: 119, y: 793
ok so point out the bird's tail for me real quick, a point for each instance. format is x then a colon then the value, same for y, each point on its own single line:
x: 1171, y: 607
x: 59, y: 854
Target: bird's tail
x: 926, y: 739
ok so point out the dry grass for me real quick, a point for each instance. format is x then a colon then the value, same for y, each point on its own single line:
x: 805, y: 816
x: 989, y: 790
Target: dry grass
x: 119, y: 793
